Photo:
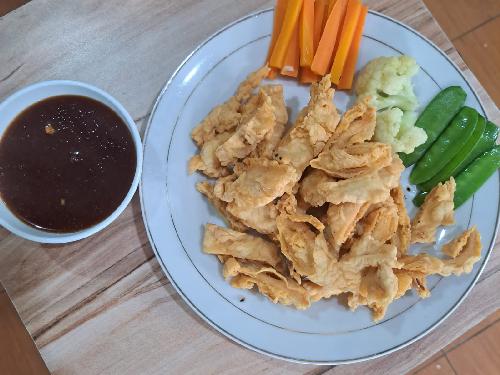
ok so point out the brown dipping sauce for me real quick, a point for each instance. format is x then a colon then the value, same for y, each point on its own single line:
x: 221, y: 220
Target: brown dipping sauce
x: 66, y: 163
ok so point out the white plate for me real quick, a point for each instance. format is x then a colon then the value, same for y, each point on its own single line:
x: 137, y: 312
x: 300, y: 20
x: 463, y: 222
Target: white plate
x: 175, y: 213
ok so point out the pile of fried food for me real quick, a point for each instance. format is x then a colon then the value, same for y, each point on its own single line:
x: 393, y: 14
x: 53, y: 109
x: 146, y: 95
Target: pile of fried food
x: 318, y: 210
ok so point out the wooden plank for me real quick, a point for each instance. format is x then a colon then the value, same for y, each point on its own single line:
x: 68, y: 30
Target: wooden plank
x: 19, y: 354
x: 7, y: 6
x: 458, y: 17
x: 102, y: 305
x: 481, y: 51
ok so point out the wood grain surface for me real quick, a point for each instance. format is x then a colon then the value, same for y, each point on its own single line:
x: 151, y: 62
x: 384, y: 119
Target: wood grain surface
x: 103, y: 305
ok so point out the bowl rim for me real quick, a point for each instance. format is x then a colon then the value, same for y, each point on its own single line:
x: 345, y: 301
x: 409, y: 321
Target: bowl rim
x: 42, y: 236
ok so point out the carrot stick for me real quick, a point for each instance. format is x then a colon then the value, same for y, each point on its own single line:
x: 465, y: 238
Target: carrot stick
x: 292, y: 58
x: 289, y: 22
x: 350, y: 64
x: 279, y: 14
x: 348, y: 29
x: 306, y: 33
x: 306, y: 75
x: 322, y: 57
x: 320, y: 17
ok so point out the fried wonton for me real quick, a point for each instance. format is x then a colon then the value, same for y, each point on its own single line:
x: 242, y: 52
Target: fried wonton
x: 207, y: 189
x: 258, y: 182
x: 249, y: 133
x: 277, y: 287
x: 468, y: 252
x: 312, y: 128
x: 341, y: 221
x: 318, y: 188
x: 206, y: 161
x: 224, y: 241
x: 226, y: 117
x: 437, y: 210
x: 353, y: 159
x: 401, y: 238
x: 356, y: 126
x: 262, y: 219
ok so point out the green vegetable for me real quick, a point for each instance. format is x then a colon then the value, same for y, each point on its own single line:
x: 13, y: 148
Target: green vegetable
x: 448, y: 144
x: 420, y: 198
x: 434, y: 119
x: 475, y: 175
x: 455, y: 164
x: 487, y: 141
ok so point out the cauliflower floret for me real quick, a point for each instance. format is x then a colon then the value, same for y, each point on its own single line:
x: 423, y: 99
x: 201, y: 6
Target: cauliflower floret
x: 387, y: 81
x: 396, y: 128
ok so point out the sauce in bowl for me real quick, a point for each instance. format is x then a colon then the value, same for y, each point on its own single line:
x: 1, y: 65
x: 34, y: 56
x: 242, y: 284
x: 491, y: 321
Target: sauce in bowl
x: 66, y: 163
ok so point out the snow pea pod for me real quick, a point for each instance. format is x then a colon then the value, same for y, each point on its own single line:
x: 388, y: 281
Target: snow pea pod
x: 487, y: 141
x: 454, y: 165
x: 448, y: 144
x: 475, y: 175
x: 420, y: 198
x: 434, y: 119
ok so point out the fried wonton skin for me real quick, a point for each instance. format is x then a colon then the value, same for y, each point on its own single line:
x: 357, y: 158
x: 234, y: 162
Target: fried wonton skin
x: 226, y: 117
x: 224, y: 241
x: 353, y: 159
x: 262, y: 219
x: 207, y: 189
x: 249, y: 133
x: 467, y: 254
x: 401, y: 238
x: 258, y: 182
x: 277, y: 287
x: 437, y: 210
x: 381, y: 223
x: 206, y: 161
x: 312, y: 129
x: 341, y: 221
x: 318, y: 188
x: 356, y: 126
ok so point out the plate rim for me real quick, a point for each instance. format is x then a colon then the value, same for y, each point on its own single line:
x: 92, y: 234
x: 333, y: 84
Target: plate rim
x: 232, y: 336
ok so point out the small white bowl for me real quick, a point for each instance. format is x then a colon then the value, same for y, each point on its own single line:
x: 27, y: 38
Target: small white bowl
x: 21, y: 100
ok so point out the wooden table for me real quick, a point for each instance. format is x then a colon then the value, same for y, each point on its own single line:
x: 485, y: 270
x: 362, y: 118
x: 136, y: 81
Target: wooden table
x: 103, y: 305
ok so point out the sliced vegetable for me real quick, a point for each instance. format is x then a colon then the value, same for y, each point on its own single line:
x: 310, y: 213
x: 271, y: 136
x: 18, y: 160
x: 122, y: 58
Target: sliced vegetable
x: 453, y: 166
x: 292, y: 59
x: 420, y: 198
x: 448, y: 144
x: 434, y: 119
x: 307, y: 33
x: 320, y: 16
x: 350, y: 64
x: 279, y: 14
x: 487, y: 141
x: 324, y: 53
x: 306, y: 75
x: 475, y: 175
x: 344, y: 44
x: 290, y: 21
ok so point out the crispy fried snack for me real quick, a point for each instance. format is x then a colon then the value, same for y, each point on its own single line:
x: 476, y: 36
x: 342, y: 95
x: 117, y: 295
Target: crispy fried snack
x: 313, y: 128
x: 325, y: 199
x: 437, y: 210
x: 318, y: 188
x: 223, y: 241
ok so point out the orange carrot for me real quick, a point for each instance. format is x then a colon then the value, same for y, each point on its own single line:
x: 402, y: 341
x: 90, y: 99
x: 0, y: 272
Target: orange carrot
x: 348, y: 29
x: 306, y: 75
x: 292, y: 58
x: 279, y: 14
x: 289, y: 22
x: 323, y: 56
x: 350, y: 64
x: 320, y: 17
x: 331, y: 3
x: 306, y: 33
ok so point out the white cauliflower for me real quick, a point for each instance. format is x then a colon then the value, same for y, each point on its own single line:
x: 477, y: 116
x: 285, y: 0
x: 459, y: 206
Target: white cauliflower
x: 398, y: 129
x: 387, y: 81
